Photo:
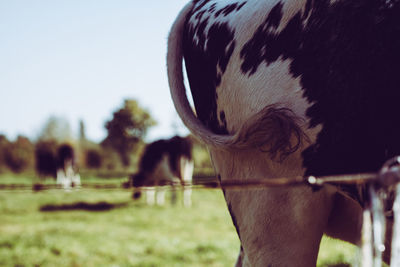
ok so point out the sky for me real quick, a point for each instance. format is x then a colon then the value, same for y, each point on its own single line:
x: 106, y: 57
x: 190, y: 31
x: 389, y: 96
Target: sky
x: 79, y: 59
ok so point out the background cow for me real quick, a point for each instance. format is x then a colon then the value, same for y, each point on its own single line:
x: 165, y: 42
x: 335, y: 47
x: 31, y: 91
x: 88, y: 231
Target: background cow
x: 165, y: 162
x: 67, y: 177
x: 46, y: 159
x: 290, y: 88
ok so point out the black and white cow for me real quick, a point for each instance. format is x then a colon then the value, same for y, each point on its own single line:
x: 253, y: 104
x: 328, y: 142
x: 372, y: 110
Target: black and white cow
x: 288, y: 88
x: 164, y: 162
x: 67, y: 177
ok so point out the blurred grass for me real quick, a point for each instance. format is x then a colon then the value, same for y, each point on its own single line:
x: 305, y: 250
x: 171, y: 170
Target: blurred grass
x: 131, y: 234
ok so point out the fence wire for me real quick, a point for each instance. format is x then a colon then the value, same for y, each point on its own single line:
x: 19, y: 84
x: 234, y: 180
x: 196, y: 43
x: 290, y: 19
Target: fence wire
x: 380, y: 186
x: 387, y: 176
x: 232, y: 184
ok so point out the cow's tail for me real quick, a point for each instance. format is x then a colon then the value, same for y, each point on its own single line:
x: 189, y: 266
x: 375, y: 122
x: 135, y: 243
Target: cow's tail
x: 271, y: 129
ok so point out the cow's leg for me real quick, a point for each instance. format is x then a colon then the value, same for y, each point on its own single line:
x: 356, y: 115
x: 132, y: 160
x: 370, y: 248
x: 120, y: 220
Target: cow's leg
x: 150, y: 195
x: 173, y: 195
x: 388, y: 240
x: 63, y: 180
x: 277, y: 226
x: 187, y: 166
x: 160, y: 195
x: 187, y: 196
x: 76, y: 181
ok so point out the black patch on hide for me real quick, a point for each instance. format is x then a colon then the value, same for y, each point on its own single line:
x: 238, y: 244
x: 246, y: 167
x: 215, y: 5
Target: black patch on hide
x: 347, y: 55
x: 207, y: 52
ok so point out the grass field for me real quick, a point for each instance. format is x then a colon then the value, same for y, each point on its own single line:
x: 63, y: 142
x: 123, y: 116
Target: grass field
x: 122, y: 232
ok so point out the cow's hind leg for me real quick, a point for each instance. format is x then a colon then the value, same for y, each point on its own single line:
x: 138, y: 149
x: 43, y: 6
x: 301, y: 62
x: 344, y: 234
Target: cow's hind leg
x: 150, y: 195
x: 187, y: 197
x: 174, y: 195
x: 160, y: 195
x: 187, y: 166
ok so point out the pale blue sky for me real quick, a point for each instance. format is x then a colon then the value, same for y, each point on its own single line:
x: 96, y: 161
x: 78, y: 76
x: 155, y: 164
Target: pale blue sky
x: 79, y: 59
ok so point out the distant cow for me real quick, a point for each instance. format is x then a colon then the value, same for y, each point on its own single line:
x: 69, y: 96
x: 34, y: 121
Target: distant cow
x: 286, y: 88
x: 46, y: 159
x: 164, y: 162
x: 67, y: 177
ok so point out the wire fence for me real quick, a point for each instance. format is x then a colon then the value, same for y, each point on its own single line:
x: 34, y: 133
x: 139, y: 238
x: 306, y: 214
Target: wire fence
x: 207, y: 183
x: 387, y: 176
x: 380, y: 185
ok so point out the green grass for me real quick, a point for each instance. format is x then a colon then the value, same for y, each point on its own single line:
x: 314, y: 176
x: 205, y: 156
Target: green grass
x: 131, y: 234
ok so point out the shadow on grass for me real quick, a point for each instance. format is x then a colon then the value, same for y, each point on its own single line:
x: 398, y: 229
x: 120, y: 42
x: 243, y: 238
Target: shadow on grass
x: 99, y: 206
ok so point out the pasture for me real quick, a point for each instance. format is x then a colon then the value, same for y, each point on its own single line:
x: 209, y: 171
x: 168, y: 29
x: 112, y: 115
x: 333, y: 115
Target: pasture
x: 105, y: 228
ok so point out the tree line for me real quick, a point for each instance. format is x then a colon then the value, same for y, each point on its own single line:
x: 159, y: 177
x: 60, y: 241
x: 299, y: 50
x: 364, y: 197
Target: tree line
x: 120, y: 150
x: 126, y: 131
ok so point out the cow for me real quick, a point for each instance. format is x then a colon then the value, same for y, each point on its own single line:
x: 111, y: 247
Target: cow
x: 165, y: 162
x: 67, y: 177
x: 45, y: 159
x: 288, y: 88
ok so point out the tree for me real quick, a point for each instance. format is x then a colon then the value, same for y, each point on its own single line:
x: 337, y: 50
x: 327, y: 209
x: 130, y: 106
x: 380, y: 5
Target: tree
x: 82, y: 132
x: 4, y: 144
x: 93, y: 159
x: 126, y: 129
x: 57, y: 129
x: 110, y: 159
x: 19, y: 154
